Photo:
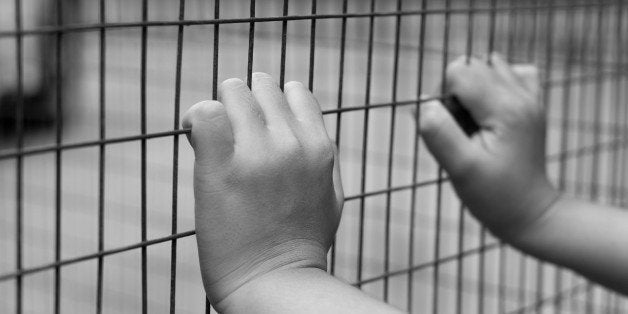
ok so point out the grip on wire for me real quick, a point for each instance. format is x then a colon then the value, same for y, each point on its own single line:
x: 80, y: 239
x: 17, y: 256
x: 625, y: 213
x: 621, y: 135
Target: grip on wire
x: 462, y: 115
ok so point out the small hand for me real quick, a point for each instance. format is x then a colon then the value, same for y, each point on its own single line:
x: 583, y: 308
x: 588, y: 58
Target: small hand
x: 499, y: 172
x: 266, y: 183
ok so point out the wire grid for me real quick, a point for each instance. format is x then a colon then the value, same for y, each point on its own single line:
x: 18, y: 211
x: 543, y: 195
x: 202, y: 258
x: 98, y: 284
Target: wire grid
x: 97, y: 215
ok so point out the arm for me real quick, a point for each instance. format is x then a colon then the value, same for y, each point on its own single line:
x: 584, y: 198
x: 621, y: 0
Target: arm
x: 588, y: 238
x: 303, y: 290
x: 268, y: 201
x: 499, y: 173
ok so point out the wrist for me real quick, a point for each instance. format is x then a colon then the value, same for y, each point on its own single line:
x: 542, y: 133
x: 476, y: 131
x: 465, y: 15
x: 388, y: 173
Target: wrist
x: 239, y: 274
x: 539, y: 205
x: 277, y: 291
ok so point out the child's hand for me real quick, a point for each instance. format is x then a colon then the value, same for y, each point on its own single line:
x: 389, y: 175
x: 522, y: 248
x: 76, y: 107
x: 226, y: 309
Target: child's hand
x: 499, y: 172
x: 266, y: 183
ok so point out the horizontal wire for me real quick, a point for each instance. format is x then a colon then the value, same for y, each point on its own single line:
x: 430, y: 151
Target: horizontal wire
x: 577, y: 152
x: 450, y: 258
x: 589, y: 126
x: 467, y: 285
x: 52, y: 148
x: 115, y: 140
x: 397, y: 188
x: 596, y: 148
x: 554, y: 298
x: 27, y: 271
x: 550, y: 158
x: 98, y: 26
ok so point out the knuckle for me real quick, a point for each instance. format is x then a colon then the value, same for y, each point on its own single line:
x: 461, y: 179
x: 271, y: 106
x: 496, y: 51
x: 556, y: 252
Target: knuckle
x: 262, y: 75
x: 208, y: 110
x: 520, y: 108
x: 430, y: 117
x: 208, y: 107
x: 455, y: 74
x: 203, y: 111
x: 288, y: 145
x: 232, y: 83
x: 324, y: 151
x: 293, y: 86
x: 263, y: 80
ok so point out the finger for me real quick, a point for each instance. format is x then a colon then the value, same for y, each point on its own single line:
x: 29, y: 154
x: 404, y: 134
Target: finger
x: 211, y: 134
x: 472, y: 83
x: 245, y: 114
x: 444, y: 138
x: 272, y: 100
x: 304, y: 106
x: 528, y: 76
x: 340, y: 195
x: 503, y: 68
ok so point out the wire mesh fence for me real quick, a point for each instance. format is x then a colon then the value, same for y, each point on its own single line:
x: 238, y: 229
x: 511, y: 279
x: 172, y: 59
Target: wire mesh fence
x: 96, y: 205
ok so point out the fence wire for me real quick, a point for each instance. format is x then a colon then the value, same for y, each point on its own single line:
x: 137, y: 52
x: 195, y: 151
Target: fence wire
x: 96, y: 206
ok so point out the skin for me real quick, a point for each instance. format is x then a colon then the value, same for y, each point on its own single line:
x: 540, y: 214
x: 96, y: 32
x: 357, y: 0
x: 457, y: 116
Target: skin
x: 500, y: 173
x: 268, y: 200
x: 269, y: 197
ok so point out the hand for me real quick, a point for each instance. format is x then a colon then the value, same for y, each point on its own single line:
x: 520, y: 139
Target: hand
x: 498, y: 172
x: 266, y: 183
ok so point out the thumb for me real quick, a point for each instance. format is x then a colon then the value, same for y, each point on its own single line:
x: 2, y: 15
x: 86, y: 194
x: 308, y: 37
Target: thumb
x: 444, y: 138
x: 212, y: 136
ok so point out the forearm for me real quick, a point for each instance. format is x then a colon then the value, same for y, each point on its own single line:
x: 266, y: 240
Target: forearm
x: 301, y: 290
x: 590, y: 239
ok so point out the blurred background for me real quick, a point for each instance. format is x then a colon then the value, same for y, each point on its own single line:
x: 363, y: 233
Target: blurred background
x: 94, y: 171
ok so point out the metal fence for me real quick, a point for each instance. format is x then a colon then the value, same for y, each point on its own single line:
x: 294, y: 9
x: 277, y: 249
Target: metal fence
x: 96, y: 206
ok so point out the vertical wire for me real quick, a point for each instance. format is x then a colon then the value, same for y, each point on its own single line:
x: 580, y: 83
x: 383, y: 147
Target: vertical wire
x: 532, y: 46
x: 461, y: 220
x: 101, y: 158
x: 175, y: 161
x: 615, y: 166
x: 531, y: 56
x: 582, y: 56
x: 621, y: 79
x: 249, y: 72
x: 549, y: 49
x: 582, y: 53
x: 502, y: 252
x: 415, y: 158
x: 491, y: 34
x: 439, y: 185
x: 215, y: 69
x: 341, y: 71
x: 391, y: 148
x: 367, y: 101
x: 143, y: 157
x: 284, y: 30
x: 565, y: 128
x: 216, y: 42
x: 621, y: 102
x: 58, y: 139
x: 312, y: 47
x: 597, y: 117
x: 523, y: 275
x: 19, y: 130
x: 483, y: 231
x: 470, y: 24
x: 618, y: 101
x: 460, y: 260
x: 512, y: 31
